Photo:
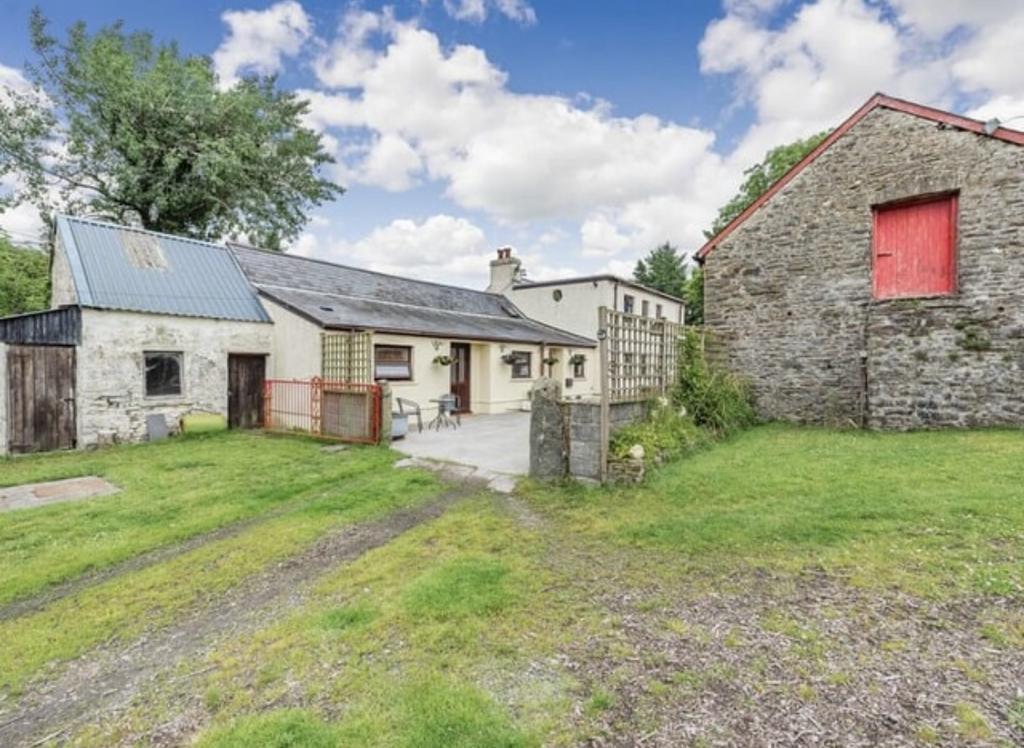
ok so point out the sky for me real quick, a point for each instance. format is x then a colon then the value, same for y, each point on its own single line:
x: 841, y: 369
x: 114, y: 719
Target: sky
x: 582, y: 134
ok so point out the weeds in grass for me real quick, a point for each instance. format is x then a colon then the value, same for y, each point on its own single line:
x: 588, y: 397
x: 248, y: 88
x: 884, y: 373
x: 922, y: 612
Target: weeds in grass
x: 600, y: 700
x: 970, y: 723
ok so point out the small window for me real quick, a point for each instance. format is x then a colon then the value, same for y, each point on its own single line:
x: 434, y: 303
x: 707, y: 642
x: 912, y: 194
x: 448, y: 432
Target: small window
x: 557, y: 294
x: 392, y: 362
x: 914, y: 248
x: 579, y: 367
x: 522, y: 364
x: 628, y: 303
x: 659, y: 312
x: 163, y: 373
x: 645, y: 308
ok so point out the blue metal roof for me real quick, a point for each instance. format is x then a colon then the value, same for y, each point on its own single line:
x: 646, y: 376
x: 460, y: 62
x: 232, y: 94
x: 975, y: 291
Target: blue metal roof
x: 120, y: 267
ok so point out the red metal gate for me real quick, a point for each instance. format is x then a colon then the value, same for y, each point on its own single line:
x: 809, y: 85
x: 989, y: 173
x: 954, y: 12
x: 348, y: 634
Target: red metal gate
x: 346, y: 411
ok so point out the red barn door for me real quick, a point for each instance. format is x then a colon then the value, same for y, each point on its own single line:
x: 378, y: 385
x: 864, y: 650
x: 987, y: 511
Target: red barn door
x: 915, y: 249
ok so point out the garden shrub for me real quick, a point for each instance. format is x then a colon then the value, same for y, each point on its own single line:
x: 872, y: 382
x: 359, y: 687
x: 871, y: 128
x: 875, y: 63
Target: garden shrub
x: 714, y: 398
x: 663, y: 434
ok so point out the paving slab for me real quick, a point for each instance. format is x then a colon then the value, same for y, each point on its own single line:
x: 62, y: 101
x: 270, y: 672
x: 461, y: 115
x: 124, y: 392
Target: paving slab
x: 31, y: 495
x: 496, y: 444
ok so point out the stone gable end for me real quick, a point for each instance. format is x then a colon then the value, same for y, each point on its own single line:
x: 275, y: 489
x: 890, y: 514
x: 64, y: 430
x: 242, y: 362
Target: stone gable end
x: 788, y: 296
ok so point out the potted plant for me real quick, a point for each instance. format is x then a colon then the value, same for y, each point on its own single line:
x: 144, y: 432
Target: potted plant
x: 577, y: 358
x: 549, y: 361
x: 443, y: 360
x: 510, y: 358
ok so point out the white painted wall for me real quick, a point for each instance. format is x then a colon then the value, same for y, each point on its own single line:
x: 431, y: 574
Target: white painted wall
x: 112, y: 405
x: 297, y: 344
x: 577, y: 311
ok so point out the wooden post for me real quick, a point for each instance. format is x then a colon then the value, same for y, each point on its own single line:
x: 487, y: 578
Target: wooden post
x: 605, y: 410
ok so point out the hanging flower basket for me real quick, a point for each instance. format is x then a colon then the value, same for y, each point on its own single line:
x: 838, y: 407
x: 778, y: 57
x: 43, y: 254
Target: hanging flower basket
x: 510, y: 358
x: 443, y: 360
x: 549, y: 361
x: 577, y: 358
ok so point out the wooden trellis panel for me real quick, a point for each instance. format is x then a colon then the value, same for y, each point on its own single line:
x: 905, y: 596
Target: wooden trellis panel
x: 347, y: 357
x: 639, y: 355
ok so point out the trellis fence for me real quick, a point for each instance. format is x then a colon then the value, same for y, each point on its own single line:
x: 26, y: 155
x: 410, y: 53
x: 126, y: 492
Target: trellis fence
x: 347, y: 357
x: 639, y: 361
x: 639, y: 355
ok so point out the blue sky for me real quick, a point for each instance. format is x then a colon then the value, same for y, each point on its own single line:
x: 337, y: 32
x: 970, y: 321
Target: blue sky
x: 580, y: 133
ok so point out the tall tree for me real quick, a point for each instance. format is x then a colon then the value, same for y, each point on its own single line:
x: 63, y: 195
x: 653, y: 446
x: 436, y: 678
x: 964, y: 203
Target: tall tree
x: 694, y: 296
x: 763, y: 175
x: 664, y: 269
x: 119, y: 127
x: 24, y: 279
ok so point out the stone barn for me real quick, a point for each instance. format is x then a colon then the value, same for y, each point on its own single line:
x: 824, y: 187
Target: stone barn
x: 880, y: 282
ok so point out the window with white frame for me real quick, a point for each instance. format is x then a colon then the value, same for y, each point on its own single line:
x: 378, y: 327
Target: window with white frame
x: 522, y: 364
x: 392, y: 362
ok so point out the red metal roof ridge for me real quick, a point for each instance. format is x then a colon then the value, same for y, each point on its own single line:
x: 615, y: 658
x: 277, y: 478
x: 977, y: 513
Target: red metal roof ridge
x: 878, y: 100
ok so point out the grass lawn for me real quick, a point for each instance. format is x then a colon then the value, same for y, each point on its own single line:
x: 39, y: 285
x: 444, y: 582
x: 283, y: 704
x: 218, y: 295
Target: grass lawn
x: 933, y: 512
x: 174, y: 490
x: 863, y: 588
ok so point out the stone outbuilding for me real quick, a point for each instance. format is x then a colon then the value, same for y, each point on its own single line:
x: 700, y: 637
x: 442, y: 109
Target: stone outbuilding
x: 880, y: 282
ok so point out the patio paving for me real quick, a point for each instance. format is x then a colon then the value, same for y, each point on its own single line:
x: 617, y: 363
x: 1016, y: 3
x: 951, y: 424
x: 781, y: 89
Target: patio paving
x: 498, y: 446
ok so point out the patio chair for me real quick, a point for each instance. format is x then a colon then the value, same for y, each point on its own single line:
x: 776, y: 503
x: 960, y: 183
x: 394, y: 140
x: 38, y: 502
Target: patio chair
x: 410, y: 407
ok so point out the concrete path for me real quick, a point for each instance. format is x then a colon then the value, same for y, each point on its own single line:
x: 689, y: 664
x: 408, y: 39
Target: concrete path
x: 497, y: 445
x: 32, y: 495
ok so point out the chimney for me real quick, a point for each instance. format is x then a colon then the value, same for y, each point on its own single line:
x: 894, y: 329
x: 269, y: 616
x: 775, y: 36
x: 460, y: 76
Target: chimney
x: 505, y: 271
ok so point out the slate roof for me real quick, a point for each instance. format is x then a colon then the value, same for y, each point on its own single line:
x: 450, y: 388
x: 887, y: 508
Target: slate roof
x: 340, y: 297
x: 130, y: 269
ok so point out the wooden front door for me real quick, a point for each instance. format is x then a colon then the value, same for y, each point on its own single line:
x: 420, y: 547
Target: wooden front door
x: 245, y: 390
x: 40, y: 398
x: 460, y: 375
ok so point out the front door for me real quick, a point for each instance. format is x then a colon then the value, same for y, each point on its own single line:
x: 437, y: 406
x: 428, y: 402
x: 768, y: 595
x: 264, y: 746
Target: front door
x: 460, y: 375
x: 245, y: 390
x: 40, y: 398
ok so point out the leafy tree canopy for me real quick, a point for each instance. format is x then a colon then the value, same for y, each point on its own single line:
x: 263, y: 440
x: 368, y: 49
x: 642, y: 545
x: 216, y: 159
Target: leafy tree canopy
x: 119, y: 127
x: 760, y: 177
x: 664, y: 269
x: 24, y: 279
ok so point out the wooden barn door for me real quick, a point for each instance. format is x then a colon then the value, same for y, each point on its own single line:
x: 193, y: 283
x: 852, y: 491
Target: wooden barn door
x: 245, y: 390
x: 40, y: 398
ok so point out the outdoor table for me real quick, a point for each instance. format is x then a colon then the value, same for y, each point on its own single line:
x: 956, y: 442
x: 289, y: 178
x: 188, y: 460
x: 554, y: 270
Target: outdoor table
x: 443, y: 418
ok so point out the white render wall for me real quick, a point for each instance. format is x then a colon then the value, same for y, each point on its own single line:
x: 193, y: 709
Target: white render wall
x: 112, y: 405
x: 577, y: 311
x: 297, y: 344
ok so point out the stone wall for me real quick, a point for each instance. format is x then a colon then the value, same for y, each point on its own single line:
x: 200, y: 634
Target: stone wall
x: 111, y: 400
x: 789, y: 301
x: 565, y: 435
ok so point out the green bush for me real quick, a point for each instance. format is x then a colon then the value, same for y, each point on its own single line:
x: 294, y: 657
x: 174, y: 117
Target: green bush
x: 714, y: 398
x: 665, y: 433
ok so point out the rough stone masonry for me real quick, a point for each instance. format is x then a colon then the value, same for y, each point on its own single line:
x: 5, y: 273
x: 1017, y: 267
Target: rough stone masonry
x: 788, y: 294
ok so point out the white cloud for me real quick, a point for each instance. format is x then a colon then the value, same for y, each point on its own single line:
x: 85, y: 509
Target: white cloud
x: 829, y: 56
x: 477, y: 11
x: 391, y: 163
x: 447, y: 115
x: 259, y: 40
